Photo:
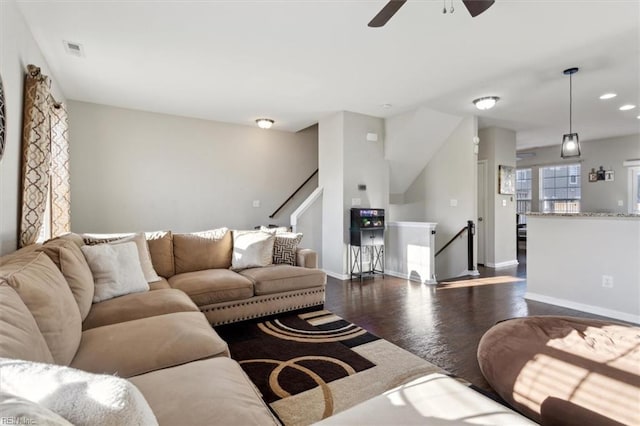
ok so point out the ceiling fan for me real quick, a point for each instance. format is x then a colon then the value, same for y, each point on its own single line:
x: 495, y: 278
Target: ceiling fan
x: 475, y: 8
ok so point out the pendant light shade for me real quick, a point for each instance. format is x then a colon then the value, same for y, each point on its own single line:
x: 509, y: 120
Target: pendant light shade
x: 570, y: 141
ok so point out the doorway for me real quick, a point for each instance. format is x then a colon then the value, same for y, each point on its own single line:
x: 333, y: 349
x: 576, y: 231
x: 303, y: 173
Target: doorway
x: 481, y: 223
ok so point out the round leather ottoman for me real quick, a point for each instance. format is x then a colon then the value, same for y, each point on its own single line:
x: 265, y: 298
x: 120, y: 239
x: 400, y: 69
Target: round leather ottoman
x: 565, y: 370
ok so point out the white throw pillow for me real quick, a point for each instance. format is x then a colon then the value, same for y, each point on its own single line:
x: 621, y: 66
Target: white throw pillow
x: 141, y: 243
x: 80, y: 397
x: 116, y: 270
x: 252, y: 249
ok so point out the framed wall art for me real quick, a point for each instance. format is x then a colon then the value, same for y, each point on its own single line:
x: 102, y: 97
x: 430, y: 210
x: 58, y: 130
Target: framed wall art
x: 506, y: 180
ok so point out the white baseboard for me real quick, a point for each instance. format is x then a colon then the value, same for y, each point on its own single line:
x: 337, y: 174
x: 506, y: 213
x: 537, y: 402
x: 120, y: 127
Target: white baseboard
x: 467, y: 272
x: 408, y: 277
x: 499, y: 265
x: 582, y: 307
x: 335, y: 275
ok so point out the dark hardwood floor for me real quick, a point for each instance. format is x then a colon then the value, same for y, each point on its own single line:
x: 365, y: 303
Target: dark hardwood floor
x: 441, y: 325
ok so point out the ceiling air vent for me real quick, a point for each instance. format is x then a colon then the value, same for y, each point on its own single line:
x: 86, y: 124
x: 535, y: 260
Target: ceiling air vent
x: 74, y: 49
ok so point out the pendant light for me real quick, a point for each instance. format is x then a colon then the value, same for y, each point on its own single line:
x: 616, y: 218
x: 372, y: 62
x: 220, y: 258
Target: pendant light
x: 570, y: 141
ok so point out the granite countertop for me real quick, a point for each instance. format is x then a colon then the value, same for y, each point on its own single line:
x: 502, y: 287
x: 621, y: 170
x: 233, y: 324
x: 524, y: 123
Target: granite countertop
x: 584, y: 214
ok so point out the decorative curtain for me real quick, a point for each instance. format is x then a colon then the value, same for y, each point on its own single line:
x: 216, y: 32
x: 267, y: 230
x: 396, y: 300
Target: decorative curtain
x: 44, y: 137
x: 60, y: 178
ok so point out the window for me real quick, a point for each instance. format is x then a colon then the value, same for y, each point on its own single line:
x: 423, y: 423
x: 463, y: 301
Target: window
x: 634, y: 190
x: 560, y: 189
x: 523, y: 194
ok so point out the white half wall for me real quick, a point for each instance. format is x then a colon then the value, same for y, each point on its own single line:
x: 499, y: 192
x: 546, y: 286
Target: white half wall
x: 18, y: 49
x: 567, y: 258
x: 134, y: 170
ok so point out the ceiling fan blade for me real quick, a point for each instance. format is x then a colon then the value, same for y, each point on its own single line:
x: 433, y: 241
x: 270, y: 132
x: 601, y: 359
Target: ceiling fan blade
x: 386, y: 13
x: 476, y: 7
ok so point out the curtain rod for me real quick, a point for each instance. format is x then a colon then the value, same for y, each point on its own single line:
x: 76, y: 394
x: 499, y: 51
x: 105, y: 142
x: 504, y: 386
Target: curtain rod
x: 35, y: 72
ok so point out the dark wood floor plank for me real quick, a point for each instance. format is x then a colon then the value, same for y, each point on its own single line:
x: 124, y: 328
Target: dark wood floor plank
x: 443, y: 326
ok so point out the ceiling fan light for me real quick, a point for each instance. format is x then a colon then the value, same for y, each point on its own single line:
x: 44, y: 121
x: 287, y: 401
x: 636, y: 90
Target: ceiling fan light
x: 570, y: 145
x: 485, y: 103
x: 264, y: 123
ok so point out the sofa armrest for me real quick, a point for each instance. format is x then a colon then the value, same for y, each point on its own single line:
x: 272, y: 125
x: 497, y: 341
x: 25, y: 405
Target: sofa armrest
x: 307, y: 258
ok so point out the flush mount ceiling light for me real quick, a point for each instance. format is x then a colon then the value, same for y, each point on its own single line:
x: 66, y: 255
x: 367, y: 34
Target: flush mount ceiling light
x: 487, y: 102
x: 570, y: 141
x: 265, y: 123
x: 626, y: 107
x: 608, y: 96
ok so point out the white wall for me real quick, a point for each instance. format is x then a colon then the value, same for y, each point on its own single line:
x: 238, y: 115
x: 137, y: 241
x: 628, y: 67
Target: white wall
x: 310, y: 224
x: 134, y: 170
x: 331, y: 161
x: 347, y: 159
x: 17, y: 50
x: 598, y: 196
x: 498, y: 147
x: 450, y: 175
x: 567, y: 257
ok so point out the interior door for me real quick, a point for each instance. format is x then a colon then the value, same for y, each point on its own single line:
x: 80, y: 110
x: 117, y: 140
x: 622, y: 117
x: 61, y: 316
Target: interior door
x: 482, y: 211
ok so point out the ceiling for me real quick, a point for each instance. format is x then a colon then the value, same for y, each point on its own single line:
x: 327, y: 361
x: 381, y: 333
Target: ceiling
x: 297, y: 61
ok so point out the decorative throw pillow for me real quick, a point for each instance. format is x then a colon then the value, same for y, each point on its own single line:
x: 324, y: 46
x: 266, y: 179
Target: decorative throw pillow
x: 252, y: 249
x: 141, y: 243
x: 116, y: 270
x: 285, y: 247
x: 81, y: 398
x: 24, y: 412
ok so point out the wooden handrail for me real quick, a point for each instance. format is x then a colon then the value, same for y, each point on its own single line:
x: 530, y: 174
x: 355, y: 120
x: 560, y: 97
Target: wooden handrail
x: 271, y: 216
x: 451, y: 240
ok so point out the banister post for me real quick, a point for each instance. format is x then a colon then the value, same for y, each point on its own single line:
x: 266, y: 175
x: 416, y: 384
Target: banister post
x: 470, y: 232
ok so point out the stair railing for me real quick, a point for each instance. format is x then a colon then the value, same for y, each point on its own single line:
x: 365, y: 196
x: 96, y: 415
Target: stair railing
x: 470, y: 228
x: 272, y: 215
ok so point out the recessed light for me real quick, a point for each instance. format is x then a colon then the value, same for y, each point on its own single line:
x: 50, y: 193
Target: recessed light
x: 485, y: 103
x: 627, y: 107
x: 608, y: 96
x: 386, y: 106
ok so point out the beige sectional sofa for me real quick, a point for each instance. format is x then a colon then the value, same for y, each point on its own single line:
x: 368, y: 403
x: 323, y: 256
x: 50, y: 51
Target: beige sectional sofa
x: 53, y: 337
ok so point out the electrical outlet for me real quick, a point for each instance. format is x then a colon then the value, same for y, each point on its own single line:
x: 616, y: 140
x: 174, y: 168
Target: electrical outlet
x: 356, y: 201
x: 453, y: 202
x: 607, y: 281
x: 256, y: 203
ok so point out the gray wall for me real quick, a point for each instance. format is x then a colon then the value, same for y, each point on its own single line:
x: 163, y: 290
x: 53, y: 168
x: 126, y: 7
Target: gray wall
x: 18, y: 49
x: 346, y: 160
x: 134, y: 170
x: 450, y: 175
x: 498, y: 147
x: 598, y: 196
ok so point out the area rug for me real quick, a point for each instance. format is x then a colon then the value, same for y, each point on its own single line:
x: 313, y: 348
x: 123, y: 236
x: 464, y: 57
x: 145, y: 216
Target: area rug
x: 312, y: 365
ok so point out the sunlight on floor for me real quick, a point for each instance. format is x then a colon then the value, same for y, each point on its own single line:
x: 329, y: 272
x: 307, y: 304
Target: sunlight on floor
x: 504, y: 279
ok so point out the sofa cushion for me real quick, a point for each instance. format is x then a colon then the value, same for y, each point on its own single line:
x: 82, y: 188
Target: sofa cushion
x: 141, y: 244
x: 202, y: 250
x: 161, y: 251
x: 159, y: 285
x: 213, y: 286
x: 209, y: 392
x: 23, y: 411
x: 44, y: 291
x: 116, y: 270
x: 252, y: 249
x: 19, y: 334
x: 147, y: 344
x: 80, y: 397
x: 138, y: 305
x: 279, y: 278
x: 66, y: 254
